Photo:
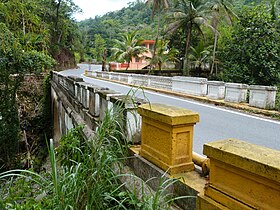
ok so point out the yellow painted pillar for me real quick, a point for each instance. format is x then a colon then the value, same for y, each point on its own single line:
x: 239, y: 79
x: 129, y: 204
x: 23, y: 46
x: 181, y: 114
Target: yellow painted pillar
x: 167, y: 136
x: 242, y: 176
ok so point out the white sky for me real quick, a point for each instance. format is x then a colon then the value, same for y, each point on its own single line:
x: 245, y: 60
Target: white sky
x: 91, y: 8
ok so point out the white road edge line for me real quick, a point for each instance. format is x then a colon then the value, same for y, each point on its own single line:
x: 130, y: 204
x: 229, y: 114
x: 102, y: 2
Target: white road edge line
x: 196, y: 103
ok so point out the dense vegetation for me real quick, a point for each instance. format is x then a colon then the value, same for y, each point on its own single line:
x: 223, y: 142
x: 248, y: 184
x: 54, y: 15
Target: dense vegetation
x: 83, y: 175
x: 35, y: 37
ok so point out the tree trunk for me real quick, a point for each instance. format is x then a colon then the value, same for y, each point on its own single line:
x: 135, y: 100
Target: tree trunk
x: 214, y: 52
x: 127, y: 66
x: 186, y: 71
x: 158, y: 26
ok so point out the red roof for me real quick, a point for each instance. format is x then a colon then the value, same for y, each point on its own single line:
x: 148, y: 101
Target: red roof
x: 148, y: 41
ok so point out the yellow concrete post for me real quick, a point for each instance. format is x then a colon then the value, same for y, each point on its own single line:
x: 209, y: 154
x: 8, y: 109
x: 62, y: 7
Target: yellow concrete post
x: 242, y: 176
x: 167, y: 136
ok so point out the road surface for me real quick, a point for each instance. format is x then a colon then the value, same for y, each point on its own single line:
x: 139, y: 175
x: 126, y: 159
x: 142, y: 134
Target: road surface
x: 216, y: 123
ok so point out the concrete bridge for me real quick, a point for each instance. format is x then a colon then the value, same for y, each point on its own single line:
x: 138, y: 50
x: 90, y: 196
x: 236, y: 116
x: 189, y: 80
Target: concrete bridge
x: 242, y: 175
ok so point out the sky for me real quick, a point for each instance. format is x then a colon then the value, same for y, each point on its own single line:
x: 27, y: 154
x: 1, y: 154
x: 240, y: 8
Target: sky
x: 91, y: 8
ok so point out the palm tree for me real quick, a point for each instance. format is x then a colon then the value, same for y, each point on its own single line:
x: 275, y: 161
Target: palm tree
x: 128, y: 48
x: 188, y: 15
x: 220, y: 8
x: 163, y: 55
x: 199, y: 56
x: 157, y: 7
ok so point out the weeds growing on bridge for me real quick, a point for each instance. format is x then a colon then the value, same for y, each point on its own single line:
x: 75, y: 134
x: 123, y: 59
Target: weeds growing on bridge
x: 84, y: 175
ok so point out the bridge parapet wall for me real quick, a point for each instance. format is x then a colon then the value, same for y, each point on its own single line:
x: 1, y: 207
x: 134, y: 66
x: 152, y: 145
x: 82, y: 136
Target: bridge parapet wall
x: 260, y: 96
x: 92, y: 103
x: 242, y: 175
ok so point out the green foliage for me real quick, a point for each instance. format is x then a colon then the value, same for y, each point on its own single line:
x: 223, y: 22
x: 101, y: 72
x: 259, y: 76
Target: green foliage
x: 252, y: 55
x: 188, y: 16
x: 199, y: 57
x: 137, y: 16
x: 99, y: 47
x: 10, y: 63
x: 37, y: 62
x: 163, y: 55
x: 14, y: 62
x: 129, y: 47
x: 86, y: 178
x: 43, y: 26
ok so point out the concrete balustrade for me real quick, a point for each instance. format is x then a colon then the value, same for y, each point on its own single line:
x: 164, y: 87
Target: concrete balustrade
x: 125, y: 78
x: 242, y: 176
x: 105, y: 104
x: 114, y: 76
x: 60, y: 79
x: 190, y: 85
x: 54, y: 76
x: 164, y: 83
x: 140, y: 80
x: 78, y: 91
x: 167, y: 136
x: 236, y: 93
x: 216, y: 90
x: 130, y: 119
x: 105, y: 74
x: 69, y: 82
x: 70, y: 85
x: 262, y: 96
x: 85, y: 95
x: 94, y: 100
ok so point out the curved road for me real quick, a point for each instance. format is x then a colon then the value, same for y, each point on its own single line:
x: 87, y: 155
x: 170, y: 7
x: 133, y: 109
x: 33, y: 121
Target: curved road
x: 216, y: 123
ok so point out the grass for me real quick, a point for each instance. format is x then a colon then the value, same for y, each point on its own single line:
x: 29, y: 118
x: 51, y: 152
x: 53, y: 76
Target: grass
x: 83, y: 175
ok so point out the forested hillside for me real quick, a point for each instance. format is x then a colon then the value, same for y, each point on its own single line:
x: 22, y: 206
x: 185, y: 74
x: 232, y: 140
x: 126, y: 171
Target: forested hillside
x: 104, y: 29
x: 43, y: 26
x: 35, y: 36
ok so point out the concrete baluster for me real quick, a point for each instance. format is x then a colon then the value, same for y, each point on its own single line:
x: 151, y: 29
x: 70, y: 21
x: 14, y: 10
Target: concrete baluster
x: 84, y: 94
x: 94, y: 100
x: 167, y: 136
x: 129, y: 79
x: 105, y: 104
x: 62, y: 121
x: 130, y: 119
x: 68, y: 120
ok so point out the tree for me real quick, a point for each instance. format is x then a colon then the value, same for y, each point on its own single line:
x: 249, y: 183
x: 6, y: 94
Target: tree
x: 129, y: 47
x: 252, y: 55
x: 14, y: 62
x: 157, y: 7
x: 57, y: 14
x: 99, y: 47
x: 220, y: 8
x: 199, y: 57
x: 163, y: 55
x: 44, y: 26
x: 188, y: 15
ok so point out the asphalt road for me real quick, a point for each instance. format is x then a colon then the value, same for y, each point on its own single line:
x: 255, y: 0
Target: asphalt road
x: 216, y: 123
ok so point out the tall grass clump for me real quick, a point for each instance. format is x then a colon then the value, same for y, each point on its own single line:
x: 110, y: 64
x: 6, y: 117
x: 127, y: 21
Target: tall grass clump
x: 84, y: 174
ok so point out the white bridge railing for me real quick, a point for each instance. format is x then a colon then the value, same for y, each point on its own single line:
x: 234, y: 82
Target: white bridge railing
x: 258, y: 96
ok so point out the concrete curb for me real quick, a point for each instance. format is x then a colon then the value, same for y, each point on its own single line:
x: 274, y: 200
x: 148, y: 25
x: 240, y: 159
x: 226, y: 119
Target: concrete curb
x: 243, y: 106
